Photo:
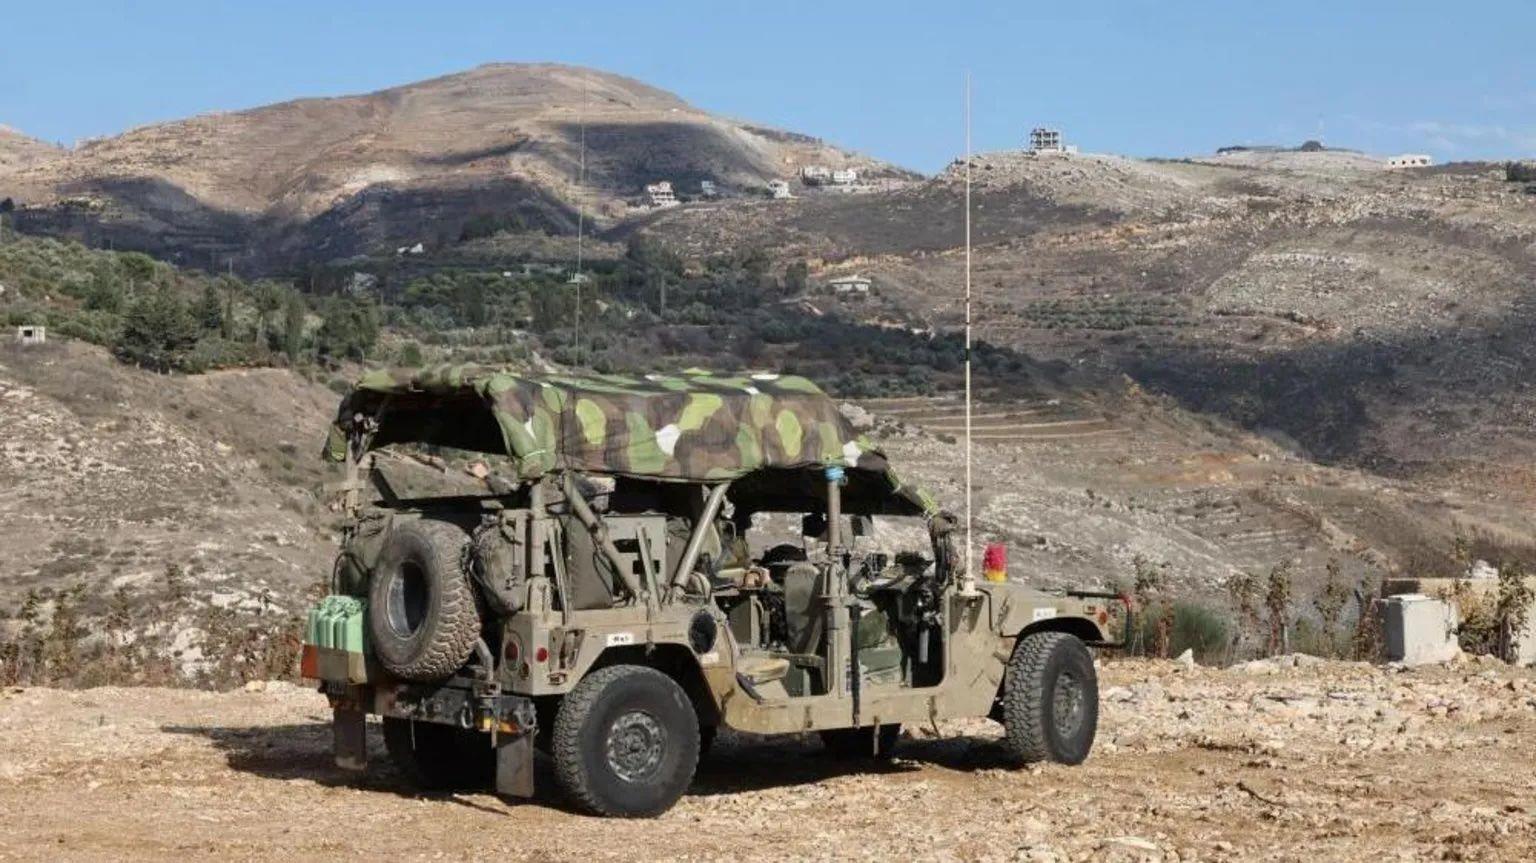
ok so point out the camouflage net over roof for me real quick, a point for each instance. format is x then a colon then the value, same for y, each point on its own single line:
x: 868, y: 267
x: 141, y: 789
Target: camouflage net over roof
x: 690, y: 427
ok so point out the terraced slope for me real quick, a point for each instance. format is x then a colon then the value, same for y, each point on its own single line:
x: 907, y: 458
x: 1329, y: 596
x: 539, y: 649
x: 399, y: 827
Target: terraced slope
x: 1080, y: 486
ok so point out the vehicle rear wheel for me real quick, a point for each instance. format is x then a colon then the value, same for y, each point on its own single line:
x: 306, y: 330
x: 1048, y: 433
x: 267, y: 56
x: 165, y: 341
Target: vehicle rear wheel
x: 1050, y: 699
x: 439, y: 757
x: 860, y: 742
x: 626, y: 742
x: 422, y: 615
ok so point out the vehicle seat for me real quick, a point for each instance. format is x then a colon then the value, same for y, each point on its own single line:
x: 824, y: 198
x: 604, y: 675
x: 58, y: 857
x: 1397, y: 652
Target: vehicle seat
x: 802, y: 609
x: 759, y: 670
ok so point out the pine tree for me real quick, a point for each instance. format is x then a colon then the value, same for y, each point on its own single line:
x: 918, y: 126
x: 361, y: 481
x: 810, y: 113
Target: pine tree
x: 350, y: 330
x: 158, y: 332
x: 293, y: 326
x: 210, y: 313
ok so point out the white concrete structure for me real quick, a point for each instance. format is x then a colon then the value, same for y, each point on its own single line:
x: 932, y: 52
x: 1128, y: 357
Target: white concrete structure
x: 815, y: 175
x: 1481, y: 587
x: 1043, y: 141
x: 845, y: 177
x: 707, y: 189
x: 1419, y: 630
x: 850, y: 286
x: 362, y: 284
x: 31, y: 334
x: 778, y: 189
x: 661, y: 194
x: 1409, y: 160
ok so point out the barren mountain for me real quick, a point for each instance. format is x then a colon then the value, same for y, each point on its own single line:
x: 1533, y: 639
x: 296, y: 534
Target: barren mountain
x: 319, y: 179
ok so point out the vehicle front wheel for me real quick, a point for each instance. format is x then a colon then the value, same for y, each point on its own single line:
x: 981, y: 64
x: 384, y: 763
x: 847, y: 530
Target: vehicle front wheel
x: 626, y: 742
x: 439, y: 757
x: 1050, y: 699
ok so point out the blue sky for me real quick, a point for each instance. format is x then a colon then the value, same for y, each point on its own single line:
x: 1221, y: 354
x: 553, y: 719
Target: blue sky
x: 1456, y: 80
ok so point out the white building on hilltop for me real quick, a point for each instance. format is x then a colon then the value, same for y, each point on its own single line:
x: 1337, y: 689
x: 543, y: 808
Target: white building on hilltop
x: 661, y: 194
x: 853, y: 287
x: 1044, y: 141
x: 778, y: 189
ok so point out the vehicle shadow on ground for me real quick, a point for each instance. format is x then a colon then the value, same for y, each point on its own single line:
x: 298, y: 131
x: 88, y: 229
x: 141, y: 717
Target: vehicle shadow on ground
x: 738, y: 763
x: 287, y: 752
x: 743, y: 762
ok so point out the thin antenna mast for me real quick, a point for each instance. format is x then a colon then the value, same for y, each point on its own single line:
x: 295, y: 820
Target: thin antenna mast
x: 968, y: 584
x: 581, y: 212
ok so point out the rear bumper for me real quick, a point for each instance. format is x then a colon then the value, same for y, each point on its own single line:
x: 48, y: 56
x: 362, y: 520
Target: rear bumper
x: 508, y: 722
x: 458, y: 703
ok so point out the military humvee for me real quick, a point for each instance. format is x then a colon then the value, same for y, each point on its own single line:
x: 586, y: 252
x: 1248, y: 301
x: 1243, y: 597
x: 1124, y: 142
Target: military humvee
x: 603, y: 596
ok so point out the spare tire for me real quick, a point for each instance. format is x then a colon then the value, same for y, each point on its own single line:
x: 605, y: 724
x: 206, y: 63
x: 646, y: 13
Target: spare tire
x: 421, y: 608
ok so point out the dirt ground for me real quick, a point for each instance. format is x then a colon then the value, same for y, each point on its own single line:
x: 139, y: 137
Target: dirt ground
x: 1272, y: 760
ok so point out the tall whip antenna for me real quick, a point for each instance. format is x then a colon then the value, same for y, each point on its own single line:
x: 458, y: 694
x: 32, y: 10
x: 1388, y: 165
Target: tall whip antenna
x: 968, y: 585
x: 581, y: 212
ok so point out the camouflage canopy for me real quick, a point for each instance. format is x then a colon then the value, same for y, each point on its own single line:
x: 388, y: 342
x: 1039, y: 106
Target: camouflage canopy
x: 690, y: 427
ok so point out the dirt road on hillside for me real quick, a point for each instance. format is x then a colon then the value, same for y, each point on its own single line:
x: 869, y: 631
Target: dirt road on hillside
x: 1325, y: 761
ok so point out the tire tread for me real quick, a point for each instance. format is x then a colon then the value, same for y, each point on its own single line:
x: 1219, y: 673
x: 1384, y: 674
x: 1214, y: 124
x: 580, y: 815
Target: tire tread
x: 566, y: 748
x: 1024, y: 696
x: 458, y: 623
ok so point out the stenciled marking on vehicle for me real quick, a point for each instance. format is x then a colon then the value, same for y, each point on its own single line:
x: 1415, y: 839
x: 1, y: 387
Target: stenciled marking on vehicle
x: 1043, y: 614
x: 617, y: 639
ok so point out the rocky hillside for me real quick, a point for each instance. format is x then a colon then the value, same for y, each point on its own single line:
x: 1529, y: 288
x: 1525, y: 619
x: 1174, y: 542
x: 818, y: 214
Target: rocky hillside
x: 320, y: 179
x: 163, y: 510
x: 130, y: 486
x: 19, y: 151
x: 1353, y: 314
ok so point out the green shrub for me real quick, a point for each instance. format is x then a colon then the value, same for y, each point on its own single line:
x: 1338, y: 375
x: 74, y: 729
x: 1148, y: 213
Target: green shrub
x: 1189, y: 626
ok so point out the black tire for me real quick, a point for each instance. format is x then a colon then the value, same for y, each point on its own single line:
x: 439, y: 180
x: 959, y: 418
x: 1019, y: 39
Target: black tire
x: 626, y: 742
x: 1050, y: 699
x: 859, y: 743
x: 422, y: 615
x: 439, y: 757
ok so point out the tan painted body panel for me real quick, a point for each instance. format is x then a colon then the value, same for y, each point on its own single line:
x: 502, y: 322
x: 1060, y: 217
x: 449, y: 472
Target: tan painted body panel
x: 978, y: 640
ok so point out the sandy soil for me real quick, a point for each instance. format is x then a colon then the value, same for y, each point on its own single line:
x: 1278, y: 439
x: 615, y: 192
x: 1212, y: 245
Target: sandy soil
x: 1328, y: 761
